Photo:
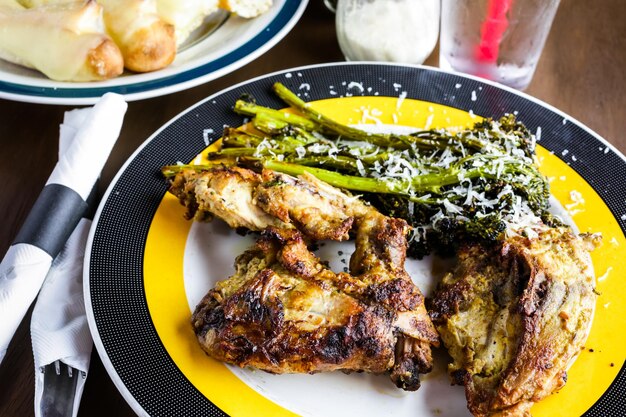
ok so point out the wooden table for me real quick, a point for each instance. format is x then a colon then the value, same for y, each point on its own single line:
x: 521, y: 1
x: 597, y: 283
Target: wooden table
x: 581, y: 72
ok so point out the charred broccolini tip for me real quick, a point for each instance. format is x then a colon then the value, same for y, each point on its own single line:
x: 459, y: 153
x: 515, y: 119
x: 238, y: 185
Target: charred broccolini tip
x: 451, y: 187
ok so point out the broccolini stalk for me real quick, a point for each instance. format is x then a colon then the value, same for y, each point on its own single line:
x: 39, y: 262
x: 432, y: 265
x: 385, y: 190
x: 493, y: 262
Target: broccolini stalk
x: 251, y: 109
x: 236, y: 138
x: 414, y: 188
x: 336, y: 179
x: 425, y: 140
x: 349, y: 132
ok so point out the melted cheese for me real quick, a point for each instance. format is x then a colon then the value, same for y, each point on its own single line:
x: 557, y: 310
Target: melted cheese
x: 55, y: 40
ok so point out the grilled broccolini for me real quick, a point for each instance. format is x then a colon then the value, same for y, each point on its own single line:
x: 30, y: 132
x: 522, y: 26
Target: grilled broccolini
x: 451, y: 187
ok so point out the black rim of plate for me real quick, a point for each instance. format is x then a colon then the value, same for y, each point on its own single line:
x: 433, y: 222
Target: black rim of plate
x: 123, y: 330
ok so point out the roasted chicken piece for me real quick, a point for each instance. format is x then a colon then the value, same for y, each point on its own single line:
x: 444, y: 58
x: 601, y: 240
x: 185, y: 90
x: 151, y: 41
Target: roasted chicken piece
x: 515, y: 316
x: 378, y: 262
x: 243, y: 198
x: 283, y: 311
x: 227, y: 193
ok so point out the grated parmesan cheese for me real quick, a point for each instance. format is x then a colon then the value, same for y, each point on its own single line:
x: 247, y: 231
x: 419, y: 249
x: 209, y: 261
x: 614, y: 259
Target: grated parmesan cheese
x: 576, y: 196
x: 360, y: 168
x: 400, y: 99
x: 429, y: 121
x: 300, y: 151
x: 437, y: 217
x: 354, y: 84
x: 450, y: 207
x: 605, y: 275
x: 367, y: 115
x: 205, y: 135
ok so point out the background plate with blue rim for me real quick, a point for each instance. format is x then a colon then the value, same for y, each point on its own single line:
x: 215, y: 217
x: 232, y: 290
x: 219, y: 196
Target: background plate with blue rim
x: 234, y: 42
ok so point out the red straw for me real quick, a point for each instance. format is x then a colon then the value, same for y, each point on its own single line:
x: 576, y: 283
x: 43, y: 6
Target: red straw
x: 492, y: 30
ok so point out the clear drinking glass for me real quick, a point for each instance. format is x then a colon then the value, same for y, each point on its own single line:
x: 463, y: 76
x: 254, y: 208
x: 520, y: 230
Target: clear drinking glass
x: 500, y: 40
x: 387, y: 30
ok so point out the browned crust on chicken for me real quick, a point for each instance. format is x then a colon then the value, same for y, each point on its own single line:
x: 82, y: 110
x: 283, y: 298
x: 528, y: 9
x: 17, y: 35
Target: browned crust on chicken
x: 268, y: 321
x: 514, y: 316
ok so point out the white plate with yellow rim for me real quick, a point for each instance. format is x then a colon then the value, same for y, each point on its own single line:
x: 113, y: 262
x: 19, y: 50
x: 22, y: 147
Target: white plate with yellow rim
x: 147, y: 267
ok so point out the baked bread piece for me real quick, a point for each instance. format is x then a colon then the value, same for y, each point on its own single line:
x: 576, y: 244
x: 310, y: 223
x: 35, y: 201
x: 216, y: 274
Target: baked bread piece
x: 515, y: 316
x: 66, y: 42
x: 147, y: 42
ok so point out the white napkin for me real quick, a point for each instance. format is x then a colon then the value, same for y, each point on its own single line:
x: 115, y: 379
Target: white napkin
x: 58, y: 327
x: 91, y: 134
x: 22, y: 272
x: 25, y: 266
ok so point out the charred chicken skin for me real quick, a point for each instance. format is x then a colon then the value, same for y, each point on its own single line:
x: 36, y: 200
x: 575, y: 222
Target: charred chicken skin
x: 284, y: 311
x: 514, y: 317
x: 243, y: 198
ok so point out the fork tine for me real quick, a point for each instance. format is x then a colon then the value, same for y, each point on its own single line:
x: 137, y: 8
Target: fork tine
x: 59, y: 390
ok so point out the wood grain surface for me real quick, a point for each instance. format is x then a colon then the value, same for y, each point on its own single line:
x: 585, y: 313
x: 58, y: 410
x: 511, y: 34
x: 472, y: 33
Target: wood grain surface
x: 581, y: 72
